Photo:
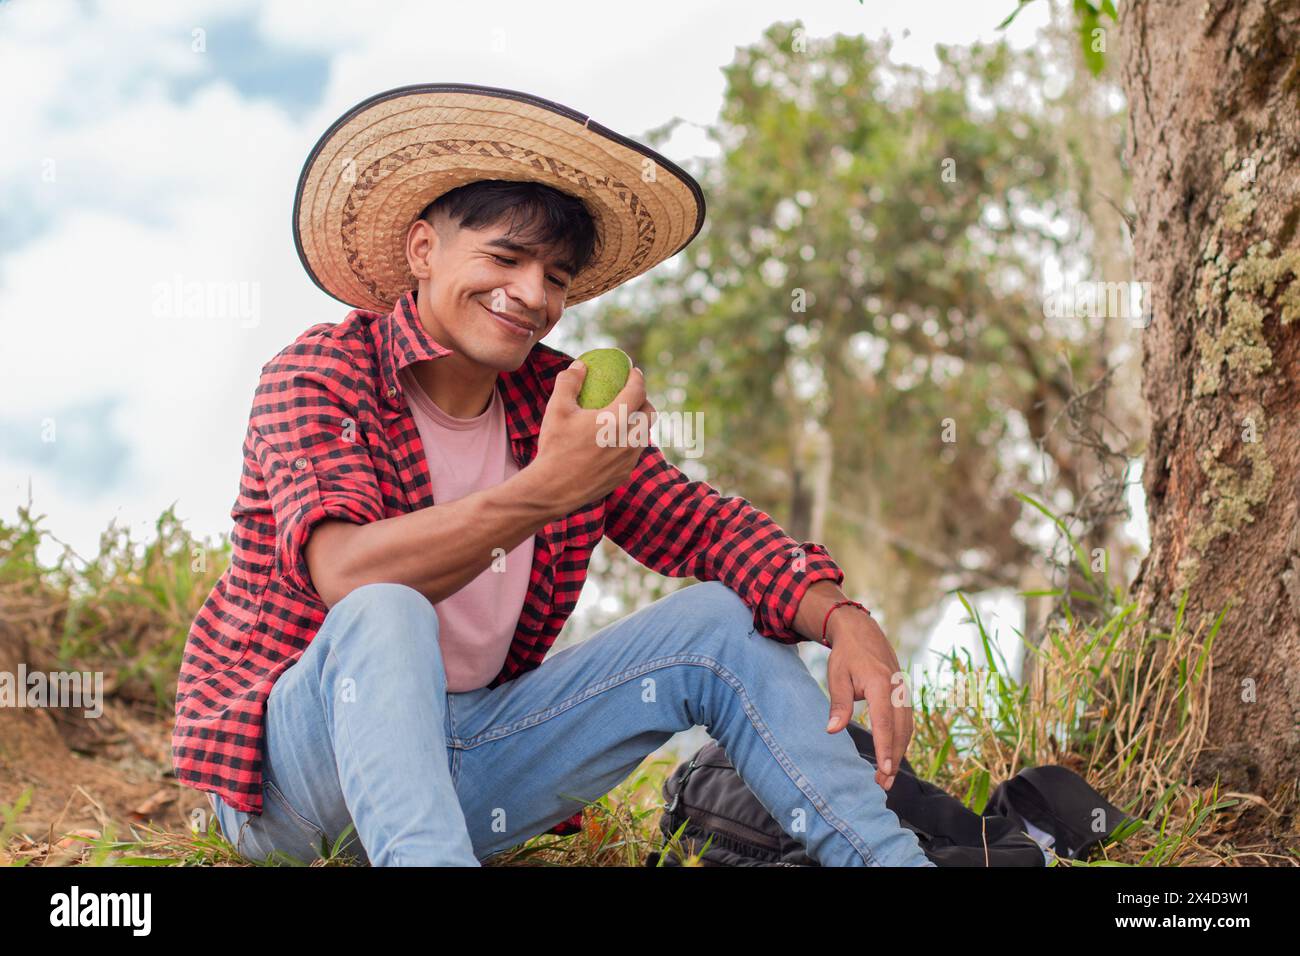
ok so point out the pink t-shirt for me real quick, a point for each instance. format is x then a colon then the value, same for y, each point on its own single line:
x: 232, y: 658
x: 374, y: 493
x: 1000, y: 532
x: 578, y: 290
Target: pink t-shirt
x: 476, y: 624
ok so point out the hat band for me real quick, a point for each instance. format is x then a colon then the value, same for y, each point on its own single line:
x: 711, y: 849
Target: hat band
x: 377, y: 171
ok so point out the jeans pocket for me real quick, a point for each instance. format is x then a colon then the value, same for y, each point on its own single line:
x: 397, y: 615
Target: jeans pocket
x: 281, y: 828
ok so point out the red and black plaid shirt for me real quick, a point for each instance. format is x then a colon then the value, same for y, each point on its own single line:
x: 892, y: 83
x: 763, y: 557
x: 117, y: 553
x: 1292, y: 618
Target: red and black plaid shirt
x: 330, y: 436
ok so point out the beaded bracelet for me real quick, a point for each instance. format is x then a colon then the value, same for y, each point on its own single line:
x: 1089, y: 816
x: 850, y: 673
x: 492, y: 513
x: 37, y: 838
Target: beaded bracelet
x: 828, y: 617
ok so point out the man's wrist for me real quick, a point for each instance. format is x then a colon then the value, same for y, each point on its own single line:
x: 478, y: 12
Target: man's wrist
x: 816, y: 601
x: 535, y: 486
x: 841, y: 622
x: 819, y: 600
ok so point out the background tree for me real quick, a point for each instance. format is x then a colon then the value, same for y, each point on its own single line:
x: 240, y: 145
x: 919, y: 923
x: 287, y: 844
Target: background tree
x: 1214, y: 133
x: 861, y: 320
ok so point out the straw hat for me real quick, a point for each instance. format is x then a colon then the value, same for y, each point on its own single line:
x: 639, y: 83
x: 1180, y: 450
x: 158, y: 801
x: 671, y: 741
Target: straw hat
x: 383, y: 161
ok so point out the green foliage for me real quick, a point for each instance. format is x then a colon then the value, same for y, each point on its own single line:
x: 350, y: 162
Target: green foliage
x: 9, y: 828
x: 126, y: 611
x: 869, y: 271
x: 1088, y: 14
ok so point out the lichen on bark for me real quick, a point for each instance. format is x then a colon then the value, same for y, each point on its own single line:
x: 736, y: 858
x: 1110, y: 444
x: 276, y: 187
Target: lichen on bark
x: 1233, y: 334
x: 1240, y: 203
x: 1231, y: 493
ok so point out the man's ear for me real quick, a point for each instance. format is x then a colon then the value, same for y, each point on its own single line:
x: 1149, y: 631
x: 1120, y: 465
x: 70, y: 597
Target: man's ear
x: 421, y: 242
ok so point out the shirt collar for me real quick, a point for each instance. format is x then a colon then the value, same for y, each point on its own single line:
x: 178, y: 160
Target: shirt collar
x: 404, y: 340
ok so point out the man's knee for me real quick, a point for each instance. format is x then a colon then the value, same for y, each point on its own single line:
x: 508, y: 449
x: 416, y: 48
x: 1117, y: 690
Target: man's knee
x: 716, y: 616
x: 725, y: 631
x: 403, y: 616
x: 716, y: 608
x: 385, y: 597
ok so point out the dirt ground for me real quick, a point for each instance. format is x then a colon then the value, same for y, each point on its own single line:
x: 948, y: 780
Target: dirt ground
x: 87, y: 773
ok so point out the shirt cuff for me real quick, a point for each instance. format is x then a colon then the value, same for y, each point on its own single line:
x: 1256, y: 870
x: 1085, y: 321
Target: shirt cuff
x: 309, y: 510
x: 802, y: 566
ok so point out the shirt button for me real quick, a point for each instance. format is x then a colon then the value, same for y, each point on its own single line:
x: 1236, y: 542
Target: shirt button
x: 392, y: 392
x: 300, y: 464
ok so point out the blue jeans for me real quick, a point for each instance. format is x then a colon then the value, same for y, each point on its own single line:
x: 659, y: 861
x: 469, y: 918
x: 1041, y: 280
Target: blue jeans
x: 361, y: 730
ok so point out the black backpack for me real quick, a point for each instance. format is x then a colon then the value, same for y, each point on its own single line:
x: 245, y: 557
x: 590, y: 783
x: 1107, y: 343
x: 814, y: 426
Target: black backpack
x: 1057, y: 805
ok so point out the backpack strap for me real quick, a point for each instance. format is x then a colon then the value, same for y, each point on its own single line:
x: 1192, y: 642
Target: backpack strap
x: 1059, y: 803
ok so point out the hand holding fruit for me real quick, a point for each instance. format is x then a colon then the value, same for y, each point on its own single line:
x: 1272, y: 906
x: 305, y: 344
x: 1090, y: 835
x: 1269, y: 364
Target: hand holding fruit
x: 607, y: 372
x: 567, y: 445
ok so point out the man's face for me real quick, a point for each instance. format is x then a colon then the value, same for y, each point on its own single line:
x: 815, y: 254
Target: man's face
x: 478, y: 282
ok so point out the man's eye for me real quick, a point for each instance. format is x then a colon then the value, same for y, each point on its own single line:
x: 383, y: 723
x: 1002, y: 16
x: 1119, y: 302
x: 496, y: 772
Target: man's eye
x: 506, y: 260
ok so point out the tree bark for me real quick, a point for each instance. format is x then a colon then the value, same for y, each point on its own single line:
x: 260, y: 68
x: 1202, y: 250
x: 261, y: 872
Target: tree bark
x: 1214, y: 138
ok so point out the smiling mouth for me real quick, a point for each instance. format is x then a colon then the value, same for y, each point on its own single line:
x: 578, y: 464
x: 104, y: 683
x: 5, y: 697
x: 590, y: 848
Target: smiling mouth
x: 523, y: 326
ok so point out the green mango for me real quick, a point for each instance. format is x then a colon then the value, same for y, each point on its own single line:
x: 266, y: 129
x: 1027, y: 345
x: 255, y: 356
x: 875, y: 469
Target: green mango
x: 607, y: 372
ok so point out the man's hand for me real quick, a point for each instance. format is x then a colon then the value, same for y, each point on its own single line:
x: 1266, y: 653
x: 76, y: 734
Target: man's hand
x: 862, y: 666
x: 580, y: 469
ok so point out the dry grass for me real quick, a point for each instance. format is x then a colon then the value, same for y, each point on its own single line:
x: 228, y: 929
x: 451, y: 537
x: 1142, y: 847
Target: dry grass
x: 1126, y: 708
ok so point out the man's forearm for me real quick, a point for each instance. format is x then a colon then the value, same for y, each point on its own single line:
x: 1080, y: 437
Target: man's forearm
x: 436, y: 550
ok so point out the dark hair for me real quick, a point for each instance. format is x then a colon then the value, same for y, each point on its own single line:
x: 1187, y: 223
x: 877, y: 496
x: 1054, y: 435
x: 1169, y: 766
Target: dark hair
x: 540, y: 215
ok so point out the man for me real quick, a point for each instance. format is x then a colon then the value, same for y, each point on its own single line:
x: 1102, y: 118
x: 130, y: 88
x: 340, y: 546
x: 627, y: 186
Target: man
x: 420, y: 497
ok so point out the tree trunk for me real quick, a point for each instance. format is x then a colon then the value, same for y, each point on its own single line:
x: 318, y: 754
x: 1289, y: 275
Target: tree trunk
x: 1214, y: 142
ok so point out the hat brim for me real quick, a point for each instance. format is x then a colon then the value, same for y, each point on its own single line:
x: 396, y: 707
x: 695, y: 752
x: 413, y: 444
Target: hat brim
x: 383, y: 161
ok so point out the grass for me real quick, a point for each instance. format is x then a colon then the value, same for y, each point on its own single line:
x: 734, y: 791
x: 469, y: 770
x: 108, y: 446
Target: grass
x: 1122, y: 705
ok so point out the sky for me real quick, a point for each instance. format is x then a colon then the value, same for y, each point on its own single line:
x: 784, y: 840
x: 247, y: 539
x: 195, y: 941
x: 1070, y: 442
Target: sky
x: 150, y: 145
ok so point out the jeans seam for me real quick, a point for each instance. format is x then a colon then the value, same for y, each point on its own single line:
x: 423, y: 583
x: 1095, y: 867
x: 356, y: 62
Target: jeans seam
x: 781, y: 757
x: 455, y: 767
x: 239, y: 837
x: 783, y: 760
x: 452, y: 750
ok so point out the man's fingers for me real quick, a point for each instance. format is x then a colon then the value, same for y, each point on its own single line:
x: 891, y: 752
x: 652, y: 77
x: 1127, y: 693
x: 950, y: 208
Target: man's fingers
x: 648, y: 409
x: 902, y: 734
x: 882, y: 729
x: 568, y: 383
x: 840, y: 685
x: 651, y: 413
x: 632, y: 393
